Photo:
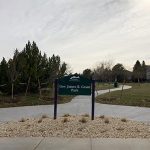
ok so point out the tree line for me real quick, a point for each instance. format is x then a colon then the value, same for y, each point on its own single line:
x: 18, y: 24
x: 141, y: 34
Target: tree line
x: 105, y: 72
x: 29, y: 71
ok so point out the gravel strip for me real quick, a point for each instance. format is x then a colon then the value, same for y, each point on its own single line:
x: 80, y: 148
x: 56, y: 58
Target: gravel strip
x: 76, y: 127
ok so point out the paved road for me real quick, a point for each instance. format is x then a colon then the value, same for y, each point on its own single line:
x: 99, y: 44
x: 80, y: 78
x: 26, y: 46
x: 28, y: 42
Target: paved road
x: 78, y: 105
x: 73, y: 144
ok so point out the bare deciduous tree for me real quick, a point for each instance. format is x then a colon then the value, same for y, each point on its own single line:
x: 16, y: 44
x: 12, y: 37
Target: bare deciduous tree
x: 103, y: 72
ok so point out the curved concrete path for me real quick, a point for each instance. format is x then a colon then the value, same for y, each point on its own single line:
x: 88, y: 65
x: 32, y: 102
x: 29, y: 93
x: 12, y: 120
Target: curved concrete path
x: 78, y: 105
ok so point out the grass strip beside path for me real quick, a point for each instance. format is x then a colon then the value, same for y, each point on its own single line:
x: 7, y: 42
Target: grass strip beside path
x: 138, y: 95
x: 31, y: 100
x: 103, y: 86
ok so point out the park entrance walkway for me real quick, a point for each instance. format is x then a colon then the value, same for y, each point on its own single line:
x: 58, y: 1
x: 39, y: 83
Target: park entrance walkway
x: 78, y: 105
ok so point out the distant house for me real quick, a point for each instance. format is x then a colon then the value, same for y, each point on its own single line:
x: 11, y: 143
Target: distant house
x: 148, y: 72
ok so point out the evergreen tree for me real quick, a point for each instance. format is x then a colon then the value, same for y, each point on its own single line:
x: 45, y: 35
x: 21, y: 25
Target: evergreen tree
x: 62, y: 70
x: 3, y: 76
x: 87, y: 73
x: 3, y: 72
x: 32, y: 60
x: 29, y: 68
x: 137, y: 71
x: 143, y: 71
x: 118, y: 72
x: 53, y: 67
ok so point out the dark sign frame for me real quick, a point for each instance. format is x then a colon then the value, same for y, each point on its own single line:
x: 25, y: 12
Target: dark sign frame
x: 74, y: 85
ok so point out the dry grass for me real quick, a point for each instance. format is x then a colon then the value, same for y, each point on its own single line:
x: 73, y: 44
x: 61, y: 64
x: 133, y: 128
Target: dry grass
x: 83, y: 120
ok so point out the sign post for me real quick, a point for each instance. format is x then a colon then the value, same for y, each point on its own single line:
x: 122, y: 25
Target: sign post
x: 93, y: 99
x: 55, y: 98
x: 74, y: 85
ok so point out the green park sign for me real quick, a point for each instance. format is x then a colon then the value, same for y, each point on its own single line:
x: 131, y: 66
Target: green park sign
x: 74, y: 85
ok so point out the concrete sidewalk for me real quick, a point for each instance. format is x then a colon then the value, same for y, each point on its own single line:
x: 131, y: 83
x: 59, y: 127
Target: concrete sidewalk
x: 73, y: 144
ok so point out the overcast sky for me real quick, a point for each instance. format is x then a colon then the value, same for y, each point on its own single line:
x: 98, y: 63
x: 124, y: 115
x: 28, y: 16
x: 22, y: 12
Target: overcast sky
x: 82, y: 32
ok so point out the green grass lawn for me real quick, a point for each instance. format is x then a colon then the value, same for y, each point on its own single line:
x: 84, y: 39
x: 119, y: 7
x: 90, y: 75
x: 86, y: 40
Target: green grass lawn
x: 138, y: 95
x: 103, y: 86
x: 31, y: 100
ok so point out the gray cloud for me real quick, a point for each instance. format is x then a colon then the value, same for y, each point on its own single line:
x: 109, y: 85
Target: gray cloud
x: 82, y: 32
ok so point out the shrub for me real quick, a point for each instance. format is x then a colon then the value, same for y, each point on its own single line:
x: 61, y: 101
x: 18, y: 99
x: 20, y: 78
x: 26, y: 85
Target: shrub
x: 44, y: 116
x: 66, y: 115
x: 28, y: 125
x: 22, y: 120
x: 103, y: 131
x: 106, y: 120
x: 102, y: 116
x: 40, y: 120
x: 119, y: 128
x: 124, y: 120
x: 86, y: 115
x: 41, y: 130
x: 65, y: 120
x: 83, y: 120
x: 80, y: 129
